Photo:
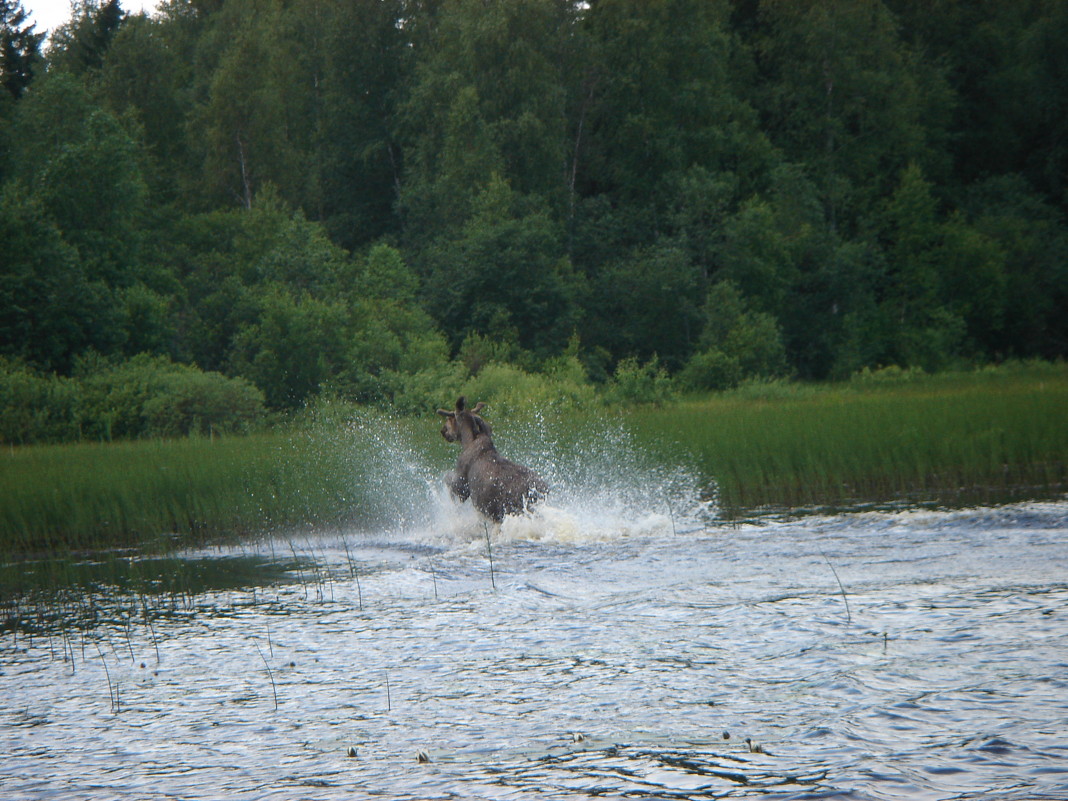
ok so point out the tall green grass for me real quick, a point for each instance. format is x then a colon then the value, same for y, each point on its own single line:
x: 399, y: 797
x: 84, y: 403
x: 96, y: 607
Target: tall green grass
x: 147, y: 492
x: 888, y: 436
x: 987, y: 434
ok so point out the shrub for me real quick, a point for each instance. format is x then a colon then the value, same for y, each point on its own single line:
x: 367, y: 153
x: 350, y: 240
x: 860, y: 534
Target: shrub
x: 634, y: 382
x: 153, y: 396
x: 36, y: 408
x: 737, y: 344
x: 427, y: 389
x: 194, y: 402
x: 888, y: 375
x: 710, y: 369
x: 511, y: 389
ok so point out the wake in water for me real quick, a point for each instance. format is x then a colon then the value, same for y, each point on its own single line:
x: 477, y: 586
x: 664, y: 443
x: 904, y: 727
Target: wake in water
x: 602, y: 487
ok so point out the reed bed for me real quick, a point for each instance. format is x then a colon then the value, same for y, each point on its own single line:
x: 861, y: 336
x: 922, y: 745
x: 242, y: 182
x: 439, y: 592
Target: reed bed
x: 986, y: 435
x: 150, y: 492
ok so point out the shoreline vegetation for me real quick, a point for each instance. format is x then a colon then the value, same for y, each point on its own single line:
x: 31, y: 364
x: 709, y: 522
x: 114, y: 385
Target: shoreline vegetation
x: 213, y: 268
x: 995, y: 433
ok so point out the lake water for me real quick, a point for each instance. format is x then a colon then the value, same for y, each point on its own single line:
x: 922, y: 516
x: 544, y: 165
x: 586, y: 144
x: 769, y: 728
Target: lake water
x: 607, y: 648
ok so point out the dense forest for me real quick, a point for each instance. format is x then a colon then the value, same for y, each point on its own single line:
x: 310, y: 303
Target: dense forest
x: 254, y: 202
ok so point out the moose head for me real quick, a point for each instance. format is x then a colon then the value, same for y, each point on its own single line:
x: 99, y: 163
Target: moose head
x: 463, y: 421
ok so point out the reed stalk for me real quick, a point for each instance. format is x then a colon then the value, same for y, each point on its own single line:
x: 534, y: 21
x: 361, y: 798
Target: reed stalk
x: 270, y: 675
x: 489, y: 552
x: 849, y: 616
x: 113, y: 691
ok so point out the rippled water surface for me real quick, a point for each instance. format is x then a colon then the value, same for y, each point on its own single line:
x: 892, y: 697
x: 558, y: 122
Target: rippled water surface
x: 908, y: 654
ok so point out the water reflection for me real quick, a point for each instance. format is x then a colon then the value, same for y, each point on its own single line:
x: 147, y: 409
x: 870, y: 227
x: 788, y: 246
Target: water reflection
x: 635, y: 666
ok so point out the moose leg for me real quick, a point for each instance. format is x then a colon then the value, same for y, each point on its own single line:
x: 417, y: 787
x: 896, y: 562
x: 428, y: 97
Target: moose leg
x: 457, y: 485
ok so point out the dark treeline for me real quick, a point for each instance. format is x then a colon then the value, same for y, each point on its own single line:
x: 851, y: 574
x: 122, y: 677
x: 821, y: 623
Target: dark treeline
x: 365, y: 197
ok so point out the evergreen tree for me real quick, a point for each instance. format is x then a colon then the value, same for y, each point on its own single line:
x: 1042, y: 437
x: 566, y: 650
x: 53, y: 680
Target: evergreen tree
x: 488, y: 100
x: 846, y: 96
x: 82, y: 43
x: 20, y: 48
x: 367, y: 58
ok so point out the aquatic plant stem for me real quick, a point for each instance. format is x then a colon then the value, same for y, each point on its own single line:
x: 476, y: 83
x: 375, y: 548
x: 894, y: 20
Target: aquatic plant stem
x: 348, y: 558
x: 489, y: 551
x: 129, y: 644
x: 152, y: 631
x: 270, y: 675
x: 113, y: 691
x: 67, y: 648
x: 849, y: 617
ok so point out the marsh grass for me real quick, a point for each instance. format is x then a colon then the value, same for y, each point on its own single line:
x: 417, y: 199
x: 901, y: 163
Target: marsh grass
x: 984, y: 435
x: 156, y: 493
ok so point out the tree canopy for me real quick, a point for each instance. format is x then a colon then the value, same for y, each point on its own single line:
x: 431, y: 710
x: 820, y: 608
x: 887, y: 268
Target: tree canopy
x: 326, y: 196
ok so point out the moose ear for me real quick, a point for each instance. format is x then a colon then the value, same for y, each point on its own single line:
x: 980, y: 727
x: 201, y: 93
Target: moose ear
x: 461, y: 403
x: 478, y: 407
x: 446, y: 413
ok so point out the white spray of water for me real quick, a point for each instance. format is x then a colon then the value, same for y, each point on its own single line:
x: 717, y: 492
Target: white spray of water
x: 602, y: 486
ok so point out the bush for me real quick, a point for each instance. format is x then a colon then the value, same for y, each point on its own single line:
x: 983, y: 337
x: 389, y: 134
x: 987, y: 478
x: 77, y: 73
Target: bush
x: 428, y: 389
x: 509, y: 389
x: 194, y: 402
x: 738, y: 344
x: 634, y: 382
x: 36, y: 408
x: 710, y: 369
x: 888, y: 375
x: 150, y: 396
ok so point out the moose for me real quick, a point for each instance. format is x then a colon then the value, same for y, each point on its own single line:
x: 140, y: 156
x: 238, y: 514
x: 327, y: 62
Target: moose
x: 496, y: 486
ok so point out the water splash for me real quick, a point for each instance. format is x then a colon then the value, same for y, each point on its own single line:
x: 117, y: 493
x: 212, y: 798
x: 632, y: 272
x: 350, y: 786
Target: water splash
x: 603, y: 485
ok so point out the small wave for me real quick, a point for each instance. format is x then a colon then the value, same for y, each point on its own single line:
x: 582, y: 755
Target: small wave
x: 575, y: 520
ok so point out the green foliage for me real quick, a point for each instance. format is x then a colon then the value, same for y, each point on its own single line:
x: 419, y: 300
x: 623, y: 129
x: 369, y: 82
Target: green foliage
x: 656, y: 291
x: 487, y: 103
x: 366, y: 55
x: 82, y: 43
x: 634, y: 382
x: 47, y: 304
x: 35, y: 407
x: 389, y: 338
x: 20, y: 49
x: 154, y: 397
x: 977, y: 436
x: 737, y: 345
x: 141, y: 79
x: 253, y: 123
x: 509, y: 389
x: 662, y: 105
x: 173, y: 493
x: 848, y: 97
x: 363, y: 199
x: 83, y: 166
x: 996, y: 432
x: 505, y: 274
x: 292, y: 347
x: 142, y: 397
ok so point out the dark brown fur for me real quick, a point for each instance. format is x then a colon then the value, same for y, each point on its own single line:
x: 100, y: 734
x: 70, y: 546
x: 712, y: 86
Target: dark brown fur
x: 495, y: 485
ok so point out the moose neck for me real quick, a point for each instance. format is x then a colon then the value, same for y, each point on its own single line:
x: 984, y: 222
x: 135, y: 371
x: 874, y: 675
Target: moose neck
x: 471, y: 435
